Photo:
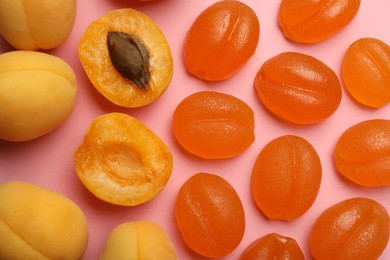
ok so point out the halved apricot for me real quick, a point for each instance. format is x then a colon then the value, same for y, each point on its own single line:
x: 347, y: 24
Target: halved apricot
x: 126, y: 57
x: 213, y: 125
x: 121, y: 161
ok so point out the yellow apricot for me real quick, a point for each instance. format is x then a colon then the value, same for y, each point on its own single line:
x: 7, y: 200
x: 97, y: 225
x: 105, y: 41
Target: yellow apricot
x: 37, y: 223
x: 37, y: 94
x: 37, y: 24
x: 141, y: 239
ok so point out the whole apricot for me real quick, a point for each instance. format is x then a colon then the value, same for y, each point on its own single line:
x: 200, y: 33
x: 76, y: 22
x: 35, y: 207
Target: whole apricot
x: 286, y: 178
x: 37, y: 24
x: 121, y: 161
x: 37, y: 94
x: 273, y: 247
x: 221, y: 40
x: 142, y: 239
x: 366, y: 72
x: 210, y: 215
x: 213, y: 125
x: 356, y: 228
x: 37, y: 223
x: 126, y: 57
x: 362, y: 153
x: 309, y: 21
x: 298, y: 88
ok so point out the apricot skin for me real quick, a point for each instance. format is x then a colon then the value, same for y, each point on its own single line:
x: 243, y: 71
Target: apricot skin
x: 37, y: 223
x: 273, y: 247
x: 37, y: 24
x: 121, y: 161
x: 309, y: 21
x: 286, y: 178
x: 141, y: 239
x: 366, y: 72
x: 298, y: 88
x: 362, y: 153
x: 37, y: 94
x: 356, y: 228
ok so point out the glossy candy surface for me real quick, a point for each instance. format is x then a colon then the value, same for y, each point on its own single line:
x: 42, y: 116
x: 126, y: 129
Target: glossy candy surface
x: 210, y: 215
x: 356, y: 228
x: 221, y: 40
x: 362, y: 153
x: 312, y: 21
x: 366, y: 72
x: 273, y: 247
x: 213, y: 125
x: 286, y: 178
x: 298, y: 88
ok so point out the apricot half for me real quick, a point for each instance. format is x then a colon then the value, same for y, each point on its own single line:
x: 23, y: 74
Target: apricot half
x: 121, y: 161
x: 126, y: 57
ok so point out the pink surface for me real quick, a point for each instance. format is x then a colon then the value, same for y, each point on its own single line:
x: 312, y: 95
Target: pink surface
x: 47, y: 161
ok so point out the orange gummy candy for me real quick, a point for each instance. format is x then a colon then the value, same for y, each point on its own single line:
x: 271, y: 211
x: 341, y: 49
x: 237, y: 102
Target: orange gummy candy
x: 298, y: 88
x: 221, y: 40
x: 356, y: 228
x: 213, y: 125
x: 366, y: 72
x: 312, y: 21
x: 273, y: 247
x: 362, y: 153
x: 210, y: 215
x: 286, y: 178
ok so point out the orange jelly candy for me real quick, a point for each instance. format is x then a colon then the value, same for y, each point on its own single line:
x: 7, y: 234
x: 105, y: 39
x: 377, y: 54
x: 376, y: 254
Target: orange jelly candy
x: 210, y: 215
x: 356, y: 228
x: 273, y: 247
x: 221, y: 40
x: 286, y: 178
x: 213, y: 125
x: 366, y: 72
x: 312, y: 21
x: 362, y: 153
x: 298, y: 88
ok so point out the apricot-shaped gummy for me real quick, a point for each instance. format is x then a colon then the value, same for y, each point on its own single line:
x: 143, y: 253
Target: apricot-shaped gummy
x: 312, y: 21
x: 366, y: 72
x: 121, y: 161
x: 286, y: 178
x: 142, y: 239
x: 273, y: 246
x: 210, y: 215
x: 126, y: 57
x: 213, y: 125
x: 298, y: 88
x: 221, y: 40
x: 38, y: 223
x: 362, y: 153
x: 37, y: 24
x: 356, y: 228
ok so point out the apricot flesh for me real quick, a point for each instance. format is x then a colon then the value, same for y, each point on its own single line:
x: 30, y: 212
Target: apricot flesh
x: 142, y: 239
x: 95, y: 58
x: 213, y: 125
x: 121, y: 161
x: 356, y: 228
x: 298, y: 88
x: 366, y: 72
x: 37, y: 223
x: 286, y: 178
x: 362, y: 153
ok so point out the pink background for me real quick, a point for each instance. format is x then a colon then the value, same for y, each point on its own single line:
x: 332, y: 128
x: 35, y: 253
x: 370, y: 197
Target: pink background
x: 47, y: 161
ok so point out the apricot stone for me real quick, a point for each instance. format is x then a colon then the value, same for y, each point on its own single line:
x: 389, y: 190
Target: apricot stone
x: 37, y: 94
x: 141, y: 239
x: 37, y: 24
x: 121, y: 161
x: 37, y: 223
x: 126, y: 57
